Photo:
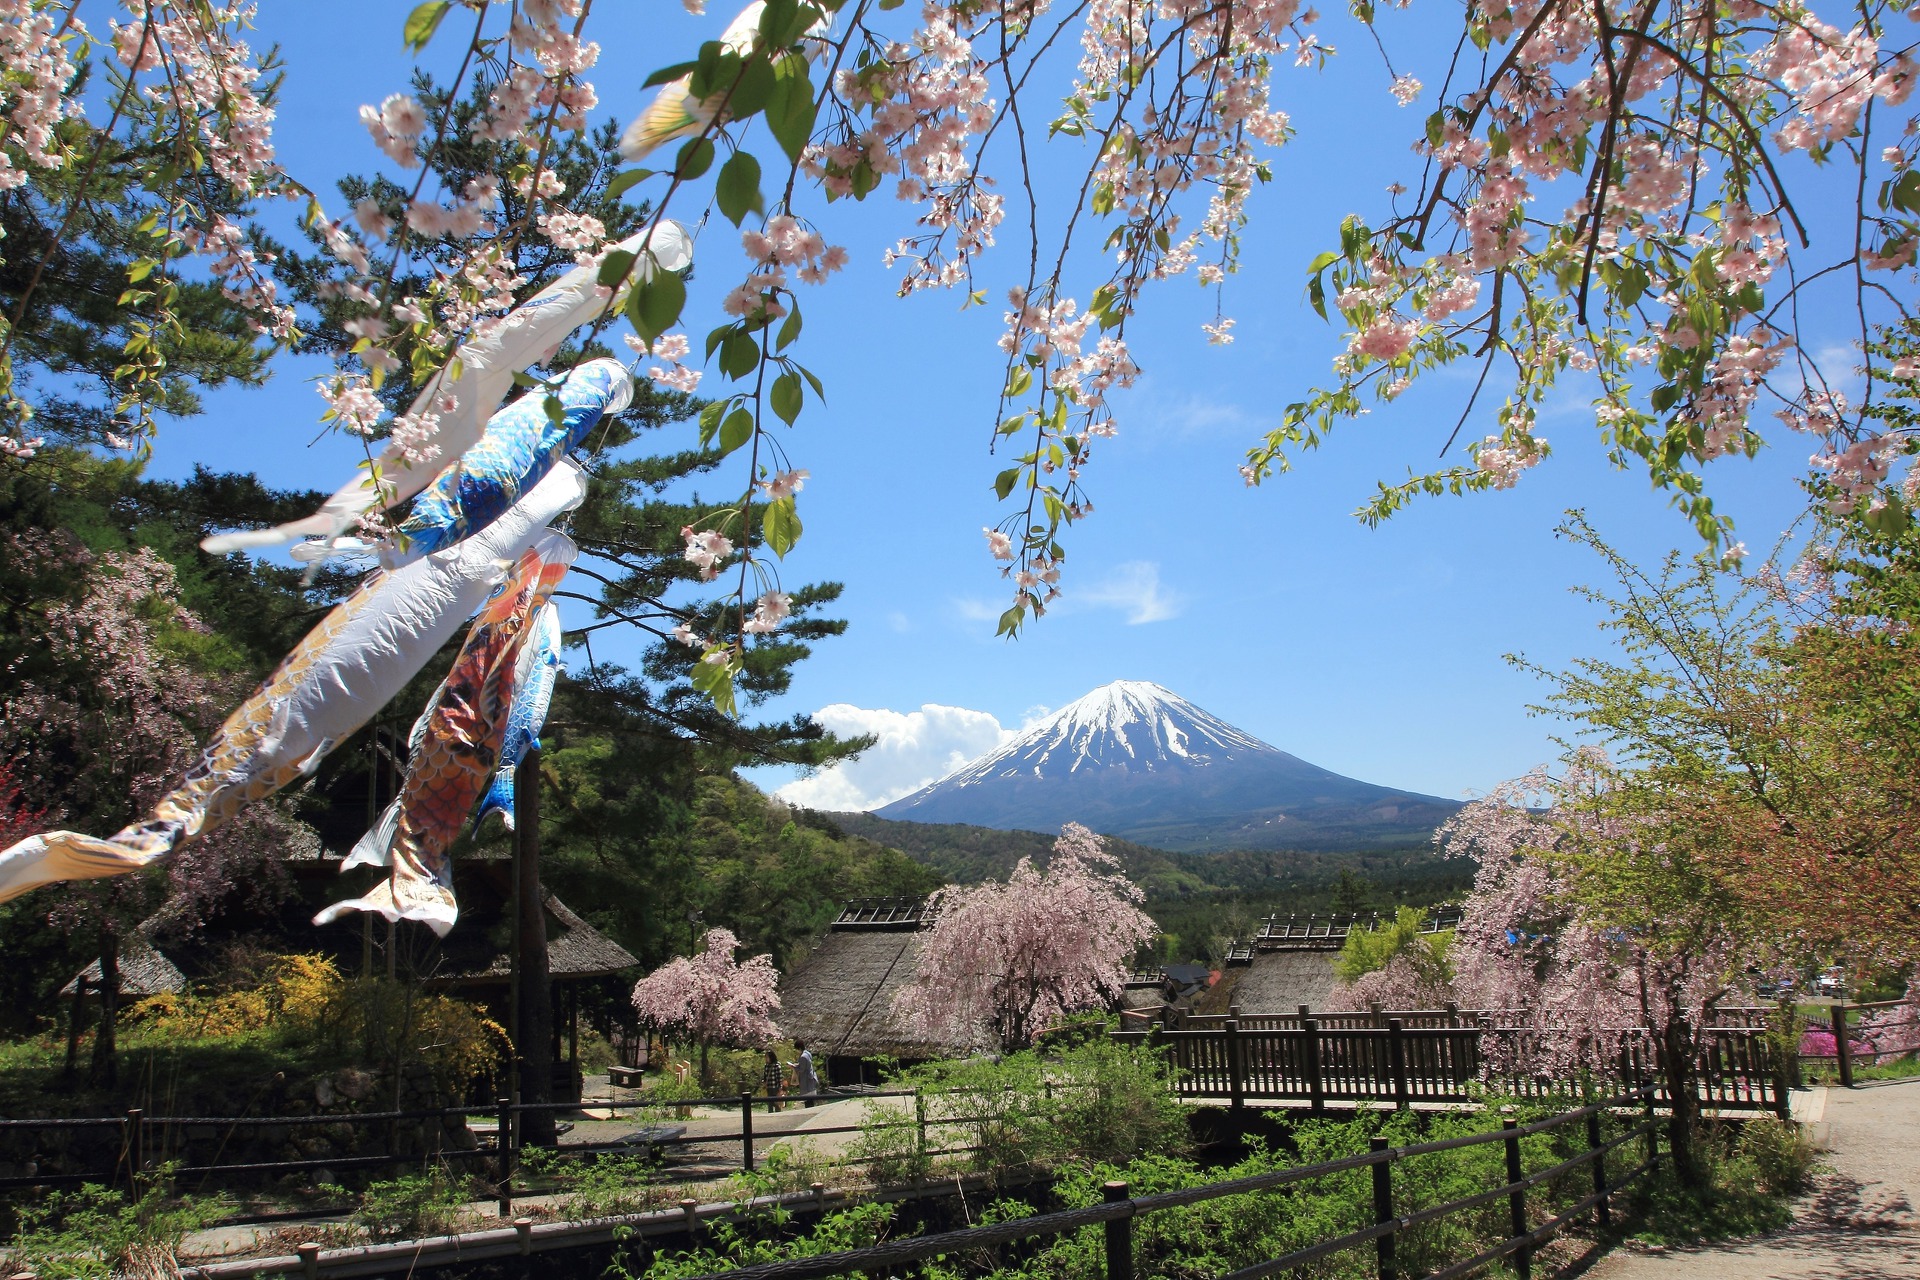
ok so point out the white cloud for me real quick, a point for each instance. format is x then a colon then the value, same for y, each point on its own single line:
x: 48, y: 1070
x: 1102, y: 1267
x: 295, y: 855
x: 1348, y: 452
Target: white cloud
x: 914, y: 749
x: 1134, y: 589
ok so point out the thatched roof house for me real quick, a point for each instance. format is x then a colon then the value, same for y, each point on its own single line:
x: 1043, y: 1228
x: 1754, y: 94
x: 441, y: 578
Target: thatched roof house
x: 840, y: 999
x: 143, y: 972
x: 1274, y: 982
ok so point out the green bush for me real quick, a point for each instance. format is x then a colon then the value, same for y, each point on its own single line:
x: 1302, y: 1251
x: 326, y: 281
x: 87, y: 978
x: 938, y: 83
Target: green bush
x: 95, y: 1233
x: 432, y: 1203
x: 888, y: 1150
x: 1781, y: 1155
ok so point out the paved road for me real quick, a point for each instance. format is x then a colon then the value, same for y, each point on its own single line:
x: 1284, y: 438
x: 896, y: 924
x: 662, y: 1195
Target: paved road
x: 1858, y: 1223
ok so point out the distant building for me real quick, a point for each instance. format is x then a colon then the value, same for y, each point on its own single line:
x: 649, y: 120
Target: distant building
x: 840, y: 999
x: 1289, y: 963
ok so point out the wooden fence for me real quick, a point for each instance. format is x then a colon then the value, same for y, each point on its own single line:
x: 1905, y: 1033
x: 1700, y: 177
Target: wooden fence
x: 1316, y: 1063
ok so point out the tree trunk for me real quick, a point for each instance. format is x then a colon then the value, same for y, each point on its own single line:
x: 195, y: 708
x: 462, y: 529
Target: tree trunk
x: 1678, y: 1066
x: 74, y: 1016
x: 534, y: 1033
x: 104, y: 1070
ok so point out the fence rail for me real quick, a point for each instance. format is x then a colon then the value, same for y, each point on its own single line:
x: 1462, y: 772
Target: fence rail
x: 1119, y: 1209
x: 1315, y: 1064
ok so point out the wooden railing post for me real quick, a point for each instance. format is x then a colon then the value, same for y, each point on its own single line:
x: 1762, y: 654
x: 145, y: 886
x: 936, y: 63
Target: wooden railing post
x: 1119, y: 1236
x: 746, y: 1130
x: 1841, y: 1045
x: 1236, y: 1073
x: 1397, y: 1062
x: 505, y: 1145
x: 1382, y: 1207
x: 920, y: 1124
x: 1603, y: 1208
x: 1517, y: 1201
x: 1316, y: 1087
x: 136, y: 1150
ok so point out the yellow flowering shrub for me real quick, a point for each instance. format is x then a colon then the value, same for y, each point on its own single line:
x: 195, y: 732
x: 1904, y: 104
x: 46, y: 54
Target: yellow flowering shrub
x: 374, y: 1023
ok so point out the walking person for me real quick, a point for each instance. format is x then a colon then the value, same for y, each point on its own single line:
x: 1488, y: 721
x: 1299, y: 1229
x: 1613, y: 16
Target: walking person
x: 772, y: 1079
x: 806, y: 1085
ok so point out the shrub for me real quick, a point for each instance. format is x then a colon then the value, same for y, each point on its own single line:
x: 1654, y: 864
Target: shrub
x: 432, y: 1203
x: 888, y: 1149
x: 95, y: 1233
x: 1780, y: 1153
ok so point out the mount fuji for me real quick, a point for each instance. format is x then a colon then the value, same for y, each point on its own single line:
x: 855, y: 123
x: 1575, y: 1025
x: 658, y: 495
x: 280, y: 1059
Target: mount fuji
x: 1135, y: 760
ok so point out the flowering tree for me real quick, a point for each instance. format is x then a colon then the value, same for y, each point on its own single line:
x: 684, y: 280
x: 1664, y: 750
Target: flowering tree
x: 711, y: 999
x: 106, y: 708
x: 1015, y: 958
x: 1591, y: 916
x: 1617, y: 192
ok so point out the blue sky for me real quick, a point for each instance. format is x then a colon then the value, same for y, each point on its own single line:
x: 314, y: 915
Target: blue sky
x: 1376, y: 653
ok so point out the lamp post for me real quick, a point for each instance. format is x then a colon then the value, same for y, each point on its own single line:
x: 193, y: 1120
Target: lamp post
x: 694, y: 917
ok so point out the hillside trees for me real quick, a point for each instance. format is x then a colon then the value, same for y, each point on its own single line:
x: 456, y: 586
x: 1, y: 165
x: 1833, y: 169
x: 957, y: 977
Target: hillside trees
x: 1014, y: 958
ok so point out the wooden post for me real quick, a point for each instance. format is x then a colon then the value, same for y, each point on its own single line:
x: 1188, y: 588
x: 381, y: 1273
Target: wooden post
x: 505, y: 1145
x: 309, y: 1260
x: 1119, y: 1236
x: 1517, y: 1201
x: 1316, y: 1087
x: 136, y: 1150
x: 1397, y: 1062
x: 1603, y: 1210
x: 533, y: 1032
x: 1841, y: 1047
x: 1236, y: 1077
x: 1382, y: 1207
x: 1653, y: 1133
x: 1453, y: 1014
x: 746, y: 1130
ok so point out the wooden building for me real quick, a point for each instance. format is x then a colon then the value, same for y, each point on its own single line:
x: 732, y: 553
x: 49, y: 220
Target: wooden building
x: 840, y: 998
x: 473, y: 962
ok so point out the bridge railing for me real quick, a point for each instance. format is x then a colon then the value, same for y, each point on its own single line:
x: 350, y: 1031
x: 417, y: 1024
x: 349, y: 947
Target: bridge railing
x: 1318, y: 1063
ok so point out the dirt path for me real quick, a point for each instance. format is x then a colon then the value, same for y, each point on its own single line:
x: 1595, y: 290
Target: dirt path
x: 1859, y: 1222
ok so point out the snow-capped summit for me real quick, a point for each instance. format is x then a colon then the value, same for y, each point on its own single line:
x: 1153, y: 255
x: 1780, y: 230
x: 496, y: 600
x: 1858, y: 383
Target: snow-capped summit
x: 1137, y: 760
x: 1133, y: 723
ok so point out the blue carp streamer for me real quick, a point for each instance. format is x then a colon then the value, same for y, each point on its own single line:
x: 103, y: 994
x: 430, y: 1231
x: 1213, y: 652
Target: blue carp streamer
x: 538, y: 669
x: 521, y: 444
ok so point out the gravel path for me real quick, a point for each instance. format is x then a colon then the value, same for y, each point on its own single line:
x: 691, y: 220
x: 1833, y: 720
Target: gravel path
x: 1858, y: 1223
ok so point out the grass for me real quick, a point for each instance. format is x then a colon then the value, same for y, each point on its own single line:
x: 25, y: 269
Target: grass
x: 162, y: 1074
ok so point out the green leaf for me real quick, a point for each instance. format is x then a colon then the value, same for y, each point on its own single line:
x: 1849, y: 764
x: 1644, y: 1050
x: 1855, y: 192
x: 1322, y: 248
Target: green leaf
x: 423, y: 22
x: 735, y: 430
x: 1010, y: 620
x: 613, y: 271
x: 1436, y: 127
x: 738, y: 188
x: 789, y: 329
x: 1004, y: 482
x: 781, y: 526
x: 655, y: 304
x: 1019, y: 380
x: 739, y: 354
x: 785, y: 397
x: 790, y: 106
x: 818, y: 389
x: 751, y: 89
x: 621, y: 183
x: 673, y: 72
x: 555, y: 411
x: 778, y: 21
x: 695, y: 158
x: 1906, y: 192
x: 710, y: 420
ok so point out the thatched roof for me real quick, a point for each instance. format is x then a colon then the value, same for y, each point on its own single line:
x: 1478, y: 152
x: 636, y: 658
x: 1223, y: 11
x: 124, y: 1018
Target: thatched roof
x: 143, y: 972
x: 1276, y: 982
x: 840, y: 1000
x: 575, y: 949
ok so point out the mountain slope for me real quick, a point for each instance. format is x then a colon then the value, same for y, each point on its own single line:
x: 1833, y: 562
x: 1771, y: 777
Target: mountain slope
x: 1133, y: 759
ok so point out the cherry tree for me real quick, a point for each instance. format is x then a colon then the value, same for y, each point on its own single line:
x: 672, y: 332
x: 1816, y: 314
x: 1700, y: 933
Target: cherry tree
x: 1610, y: 200
x: 1015, y: 958
x: 712, y: 999
x: 107, y: 705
